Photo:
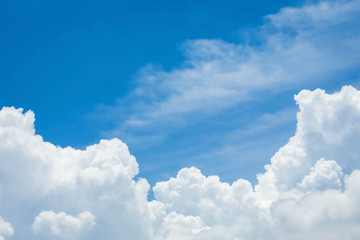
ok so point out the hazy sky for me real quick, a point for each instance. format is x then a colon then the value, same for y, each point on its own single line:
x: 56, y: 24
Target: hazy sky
x: 184, y: 90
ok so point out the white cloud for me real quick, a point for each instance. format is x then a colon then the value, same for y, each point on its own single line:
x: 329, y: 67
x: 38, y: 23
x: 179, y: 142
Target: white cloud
x: 177, y: 226
x: 98, y: 179
x: 329, y: 214
x: 5, y: 229
x: 62, y: 224
x: 301, y: 195
x: 324, y: 175
x: 298, y: 46
x: 308, y: 191
x: 191, y: 193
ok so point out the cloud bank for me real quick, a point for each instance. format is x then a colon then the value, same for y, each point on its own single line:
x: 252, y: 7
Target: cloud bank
x: 309, y: 190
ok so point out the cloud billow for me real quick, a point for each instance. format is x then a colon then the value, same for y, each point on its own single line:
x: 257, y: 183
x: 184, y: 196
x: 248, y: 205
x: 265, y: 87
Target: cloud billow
x: 85, y: 194
x: 5, y: 229
x: 63, y: 225
x: 309, y: 189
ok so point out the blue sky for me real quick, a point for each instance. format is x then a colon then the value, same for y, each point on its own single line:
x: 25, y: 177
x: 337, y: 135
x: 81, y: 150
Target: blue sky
x: 62, y: 59
x: 243, y: 117
x: 78, y: 65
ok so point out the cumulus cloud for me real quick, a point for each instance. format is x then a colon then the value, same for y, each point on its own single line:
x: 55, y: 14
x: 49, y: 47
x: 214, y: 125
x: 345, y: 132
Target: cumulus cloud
x: 301, y: 195
x: 329, y: 214
x: 177, y: 226
x: 191, y: 193
x: 308, y: 191
x: 324, y: 175
x: 63, y: 224
x: 5, y: 229
x: 37, y: 175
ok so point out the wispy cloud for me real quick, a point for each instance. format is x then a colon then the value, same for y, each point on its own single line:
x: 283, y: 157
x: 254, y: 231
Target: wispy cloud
x: 294, y: 48
x: 247, y: 146
x: 309, y: 189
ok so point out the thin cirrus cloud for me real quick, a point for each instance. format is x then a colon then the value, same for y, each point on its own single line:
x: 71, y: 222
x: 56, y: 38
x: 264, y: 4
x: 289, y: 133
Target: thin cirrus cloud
x: 309, y: 190
x: 294, y: 48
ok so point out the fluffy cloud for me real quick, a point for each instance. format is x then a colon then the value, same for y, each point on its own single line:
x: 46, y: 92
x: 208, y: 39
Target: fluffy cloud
x: 308, y: 191
x: 300, y: 196
x: 62, y: 224
x: 38, y: 175
x: 177, y: 226
x: 329, y: 214
x: 191, y: 193
x: 5, y: 229
x: 324, y: 175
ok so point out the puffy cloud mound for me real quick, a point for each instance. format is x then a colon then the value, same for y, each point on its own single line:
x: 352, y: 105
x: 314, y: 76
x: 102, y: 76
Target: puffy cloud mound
x: 63, y: 224
x: 5, y: 229
x: 324, y: 175
x: 308, y: 191
x: 37, y: 175
x: 301, y: 195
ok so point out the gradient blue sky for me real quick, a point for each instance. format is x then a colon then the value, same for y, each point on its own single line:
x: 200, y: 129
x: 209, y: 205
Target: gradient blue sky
x: 83, y: 68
